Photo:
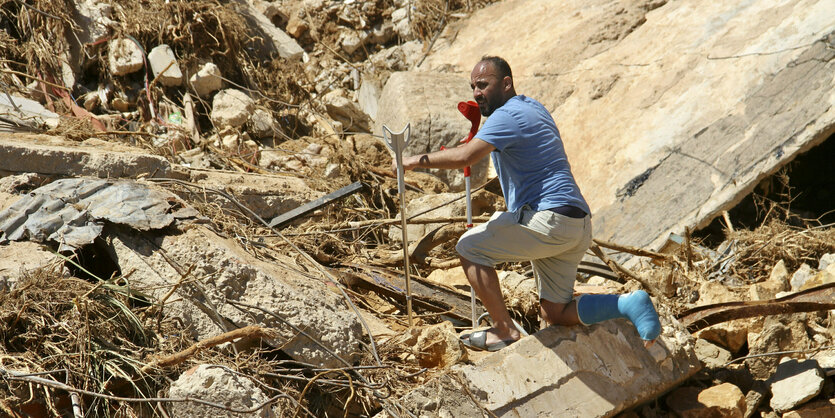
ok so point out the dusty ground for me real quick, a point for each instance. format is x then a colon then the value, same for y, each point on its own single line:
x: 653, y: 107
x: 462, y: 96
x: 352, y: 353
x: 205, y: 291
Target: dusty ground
x: 56, y: 313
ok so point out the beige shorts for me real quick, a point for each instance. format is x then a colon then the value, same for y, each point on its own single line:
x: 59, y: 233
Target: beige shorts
x: 553, y: 243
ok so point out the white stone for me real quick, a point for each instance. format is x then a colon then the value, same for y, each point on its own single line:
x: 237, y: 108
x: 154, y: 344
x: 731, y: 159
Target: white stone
x: 94, y: 18
x: 231, y: 107
x: 125, y: 57
x: 218, y: 385
x: 207, y: 80
x: 800, y: 277
x: 826, y: 261
x: 350, y: 41
x: 332, y: 171
x: 164, y: 66
x: 794, y: 383
x: 261, y: 124
x: 345, y: 110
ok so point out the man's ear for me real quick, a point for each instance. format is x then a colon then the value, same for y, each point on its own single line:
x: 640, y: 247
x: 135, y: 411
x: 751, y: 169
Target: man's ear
x: 507, y: 83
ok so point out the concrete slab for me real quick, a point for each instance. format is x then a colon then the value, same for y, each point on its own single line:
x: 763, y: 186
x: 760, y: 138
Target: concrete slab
x: 52, y: 156
x: 592, y: 371
x: 214, y: 272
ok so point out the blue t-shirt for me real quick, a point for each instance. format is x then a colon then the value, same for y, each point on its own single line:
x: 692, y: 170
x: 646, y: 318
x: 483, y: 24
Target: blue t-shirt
x: 529, y: 157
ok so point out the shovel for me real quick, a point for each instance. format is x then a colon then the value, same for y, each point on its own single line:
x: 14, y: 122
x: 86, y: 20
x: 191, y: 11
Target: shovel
x: 397, y: 143
x: 470, y: 111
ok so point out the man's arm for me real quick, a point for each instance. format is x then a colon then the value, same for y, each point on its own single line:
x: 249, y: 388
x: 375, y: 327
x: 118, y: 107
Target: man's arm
x: 458, y: 157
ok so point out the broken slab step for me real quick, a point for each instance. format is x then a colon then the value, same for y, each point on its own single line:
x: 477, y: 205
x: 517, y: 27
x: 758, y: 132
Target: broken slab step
x: 594, y: 371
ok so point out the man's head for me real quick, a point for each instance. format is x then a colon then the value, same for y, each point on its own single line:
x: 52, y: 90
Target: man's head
x: 492, y: 84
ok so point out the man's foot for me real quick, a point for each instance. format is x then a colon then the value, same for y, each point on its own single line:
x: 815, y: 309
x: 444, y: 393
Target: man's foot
x: 478, y: 340
x: 638, y: 308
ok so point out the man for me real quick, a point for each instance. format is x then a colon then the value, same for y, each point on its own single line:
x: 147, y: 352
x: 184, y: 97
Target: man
x: 548, y: 221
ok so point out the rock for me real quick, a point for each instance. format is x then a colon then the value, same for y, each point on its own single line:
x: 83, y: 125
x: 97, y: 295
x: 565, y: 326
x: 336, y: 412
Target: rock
x: 435, y: 346
x: 711, y: 292
x: 93, y: 18
x: 732, y: 335
x: 382, y: 32
x: 825, y: 261
x: 368, y: 95
x: 20, y: 113
x: 274, y: 40
x: 231, y: 107
x: 711, y: 355
x: 453, y: 278
x: 754, y: 398
x: 799, y: 278
x: 344, y: 110
x: 164, y: 65
x: 207, y: 80
x: 428, y: 102
x: 778, y: 334
x: 794, y: 383
x: 261, y: 124
x: 777, y: 282
x: 819, y: 409
x: 400, y: 20
x: 519, y: 293
x: 592, y: 371
x: 820, y: 278
x: 350, y: 40
x: 218, y: 385
x: 724, y: 400
x: 332, y: 171
x: 296, y: 26
x: 125, y: 57
x: 226, y: 274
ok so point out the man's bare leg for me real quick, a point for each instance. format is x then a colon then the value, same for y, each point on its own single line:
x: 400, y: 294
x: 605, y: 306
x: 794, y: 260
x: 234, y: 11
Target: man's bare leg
x: 559, y: 313
x: 485, y: 282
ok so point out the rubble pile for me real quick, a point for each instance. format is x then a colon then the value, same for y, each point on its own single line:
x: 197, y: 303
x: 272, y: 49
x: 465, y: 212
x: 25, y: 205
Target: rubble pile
x: 196, y: 218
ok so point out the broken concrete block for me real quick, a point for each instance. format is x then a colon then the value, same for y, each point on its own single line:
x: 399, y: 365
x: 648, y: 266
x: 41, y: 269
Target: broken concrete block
x: 794, y: 383
x: 207, y: 80
x: 22, y: 113
x: 164, y: 65
x: 345, y: 110
x: 231, y: 107
x: 368, y: 95
x: 125, y: 57
x: 564, y: 371
x: 724, y: 400
x: 218, y: 385
x: 52, y: 156
x: 276, y: 294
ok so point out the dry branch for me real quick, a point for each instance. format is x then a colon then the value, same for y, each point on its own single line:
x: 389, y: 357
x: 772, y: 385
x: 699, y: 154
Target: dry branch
x: 251, y: 332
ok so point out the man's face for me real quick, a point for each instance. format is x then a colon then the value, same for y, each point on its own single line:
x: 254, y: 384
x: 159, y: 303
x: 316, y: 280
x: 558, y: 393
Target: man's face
x: 488, y: 88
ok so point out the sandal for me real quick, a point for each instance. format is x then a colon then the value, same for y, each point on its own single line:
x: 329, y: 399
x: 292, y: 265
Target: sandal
x: 478, y: 340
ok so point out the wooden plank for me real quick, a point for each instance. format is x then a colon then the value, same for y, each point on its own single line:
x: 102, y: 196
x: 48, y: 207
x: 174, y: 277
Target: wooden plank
x: 425, y: 295
x: 316, y: 204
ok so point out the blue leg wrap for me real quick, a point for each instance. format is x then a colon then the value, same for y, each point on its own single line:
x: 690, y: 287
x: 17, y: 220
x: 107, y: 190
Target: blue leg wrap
x: 636, y: 307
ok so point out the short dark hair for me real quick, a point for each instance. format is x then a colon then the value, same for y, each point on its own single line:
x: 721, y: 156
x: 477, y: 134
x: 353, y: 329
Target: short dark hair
x: 499, y: 64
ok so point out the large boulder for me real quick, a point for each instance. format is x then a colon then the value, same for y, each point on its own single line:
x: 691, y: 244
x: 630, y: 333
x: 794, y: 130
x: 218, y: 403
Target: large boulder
x: 428, y: 102
x: 671, y: 112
